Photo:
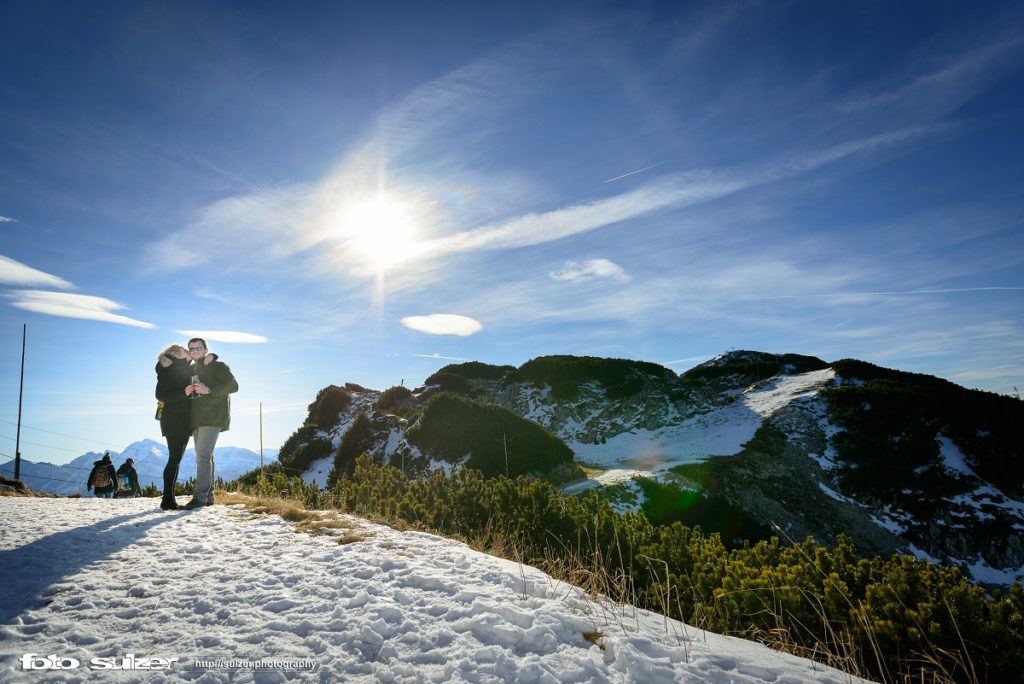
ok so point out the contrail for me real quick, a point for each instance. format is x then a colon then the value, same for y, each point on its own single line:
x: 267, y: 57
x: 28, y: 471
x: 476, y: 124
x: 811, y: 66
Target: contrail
x: 633, y: 173
x: 881, y: 294
x: 438, y: 356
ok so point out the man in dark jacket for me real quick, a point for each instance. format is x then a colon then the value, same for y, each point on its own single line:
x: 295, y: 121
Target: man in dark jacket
x: 127, y: 481
x: 102, y: 477
x: 211, y: 414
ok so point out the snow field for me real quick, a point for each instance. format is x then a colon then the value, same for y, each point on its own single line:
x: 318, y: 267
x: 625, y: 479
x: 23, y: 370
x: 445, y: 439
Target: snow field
x: 88, y: 578
x: 720, y: 432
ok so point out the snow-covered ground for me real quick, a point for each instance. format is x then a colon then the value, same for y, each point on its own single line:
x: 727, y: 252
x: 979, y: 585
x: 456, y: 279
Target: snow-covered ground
x: 719, y: 432
x: 215, y: 590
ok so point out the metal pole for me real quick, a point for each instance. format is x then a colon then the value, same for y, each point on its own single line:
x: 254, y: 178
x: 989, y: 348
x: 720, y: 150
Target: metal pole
x: 261, y: 435
x: 21, y: 391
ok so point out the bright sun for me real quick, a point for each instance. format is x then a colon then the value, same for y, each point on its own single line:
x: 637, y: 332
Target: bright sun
x: 381, y: 230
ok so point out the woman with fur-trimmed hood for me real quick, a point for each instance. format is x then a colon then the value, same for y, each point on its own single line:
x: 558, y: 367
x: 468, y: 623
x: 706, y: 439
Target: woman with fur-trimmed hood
x: 173, y: 375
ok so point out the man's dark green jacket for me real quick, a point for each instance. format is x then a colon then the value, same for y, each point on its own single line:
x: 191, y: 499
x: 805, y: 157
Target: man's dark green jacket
x: 214, y: 408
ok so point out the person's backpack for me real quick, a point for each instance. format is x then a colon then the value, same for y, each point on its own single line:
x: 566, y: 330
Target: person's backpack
x: 102, y: 478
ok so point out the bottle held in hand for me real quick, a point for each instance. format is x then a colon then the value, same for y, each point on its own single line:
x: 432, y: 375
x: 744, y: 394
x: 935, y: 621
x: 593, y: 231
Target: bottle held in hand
x: 195, y: 381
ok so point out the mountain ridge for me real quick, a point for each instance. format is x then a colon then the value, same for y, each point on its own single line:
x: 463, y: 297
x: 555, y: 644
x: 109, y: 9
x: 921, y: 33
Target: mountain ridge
x: 769, y: 437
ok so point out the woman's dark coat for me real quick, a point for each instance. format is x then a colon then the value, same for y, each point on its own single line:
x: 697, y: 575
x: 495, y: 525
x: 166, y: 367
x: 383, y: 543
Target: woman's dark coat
x: 172, y: 377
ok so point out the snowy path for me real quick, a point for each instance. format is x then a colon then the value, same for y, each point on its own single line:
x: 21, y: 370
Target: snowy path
x: 87, y: 578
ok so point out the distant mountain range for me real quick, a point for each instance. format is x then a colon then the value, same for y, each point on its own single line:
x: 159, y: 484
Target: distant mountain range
x: 748, y: 444
x: 150, y: 458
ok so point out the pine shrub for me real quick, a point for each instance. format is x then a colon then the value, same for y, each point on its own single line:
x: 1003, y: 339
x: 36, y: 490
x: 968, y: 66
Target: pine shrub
x: 491, y: 438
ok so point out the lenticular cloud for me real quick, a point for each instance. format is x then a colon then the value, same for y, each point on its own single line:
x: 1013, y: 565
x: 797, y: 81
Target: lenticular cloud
x: 443, y: 324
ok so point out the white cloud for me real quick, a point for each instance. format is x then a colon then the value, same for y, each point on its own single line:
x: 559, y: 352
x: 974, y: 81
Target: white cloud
x: 443, y: 324
x: 16, y: 273
x: 73, y: 306
x: 225, y: 336
x: 8, y: 219
x: 575, y: 272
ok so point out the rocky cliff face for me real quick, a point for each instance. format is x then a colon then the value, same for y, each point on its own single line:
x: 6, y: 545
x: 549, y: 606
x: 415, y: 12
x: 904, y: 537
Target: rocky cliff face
x: 900, y: 462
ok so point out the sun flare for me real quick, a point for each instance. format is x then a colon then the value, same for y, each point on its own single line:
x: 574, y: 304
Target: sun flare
x: 381, y: 230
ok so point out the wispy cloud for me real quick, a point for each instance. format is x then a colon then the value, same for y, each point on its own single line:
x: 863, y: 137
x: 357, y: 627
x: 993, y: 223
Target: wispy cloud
x: 70, y: 305
x: 942, y: 90
x: 675, y: 190
x: 576, y: 272
x: 16, y: 273
x: 226, y: 336
x: 710, y: 25
x: 443, y: 324
x: 8, y: 219
x: 298, y: 224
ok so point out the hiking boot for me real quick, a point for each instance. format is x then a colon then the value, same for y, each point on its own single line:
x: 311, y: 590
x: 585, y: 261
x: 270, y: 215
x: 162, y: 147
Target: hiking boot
x: 193, y: 504
x: 169, y: 505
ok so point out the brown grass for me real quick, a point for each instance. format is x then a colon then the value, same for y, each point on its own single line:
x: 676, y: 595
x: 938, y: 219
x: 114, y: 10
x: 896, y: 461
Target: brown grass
x: 313, y: 523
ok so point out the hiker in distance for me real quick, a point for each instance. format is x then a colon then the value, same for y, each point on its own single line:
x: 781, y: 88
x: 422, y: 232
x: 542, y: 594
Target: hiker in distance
x: 102, y: 478
x: 127, y: 481
x: 174, y: 411
x: 211, y: 414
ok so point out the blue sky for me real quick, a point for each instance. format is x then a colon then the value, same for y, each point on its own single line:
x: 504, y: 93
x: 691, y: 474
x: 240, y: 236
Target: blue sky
x: 359, y: 192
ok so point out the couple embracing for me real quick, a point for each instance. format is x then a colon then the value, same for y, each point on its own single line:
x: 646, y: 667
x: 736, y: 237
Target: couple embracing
x: 193, y: 387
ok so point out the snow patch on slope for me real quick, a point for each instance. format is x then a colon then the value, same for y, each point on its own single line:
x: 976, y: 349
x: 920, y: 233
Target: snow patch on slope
x: 719, y: 432
x: 953, y: 458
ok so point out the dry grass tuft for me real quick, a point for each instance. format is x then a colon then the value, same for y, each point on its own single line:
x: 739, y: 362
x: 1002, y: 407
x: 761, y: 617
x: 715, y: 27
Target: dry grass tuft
x: 313, y: 523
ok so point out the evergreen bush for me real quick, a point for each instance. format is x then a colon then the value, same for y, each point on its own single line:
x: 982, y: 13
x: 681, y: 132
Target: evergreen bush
x: 358, y: 439
x: 328, y: 405
x: 492, y: 438
x: 472, y: 370
x: 394, y: 399
x: 450, y: 382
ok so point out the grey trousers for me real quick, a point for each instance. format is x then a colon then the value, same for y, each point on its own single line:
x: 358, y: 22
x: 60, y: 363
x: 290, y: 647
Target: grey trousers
x: 205, y: 439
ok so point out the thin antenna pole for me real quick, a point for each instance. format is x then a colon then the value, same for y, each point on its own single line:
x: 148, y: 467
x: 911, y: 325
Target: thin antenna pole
x: 261, y: 435
x: 21, y: 391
